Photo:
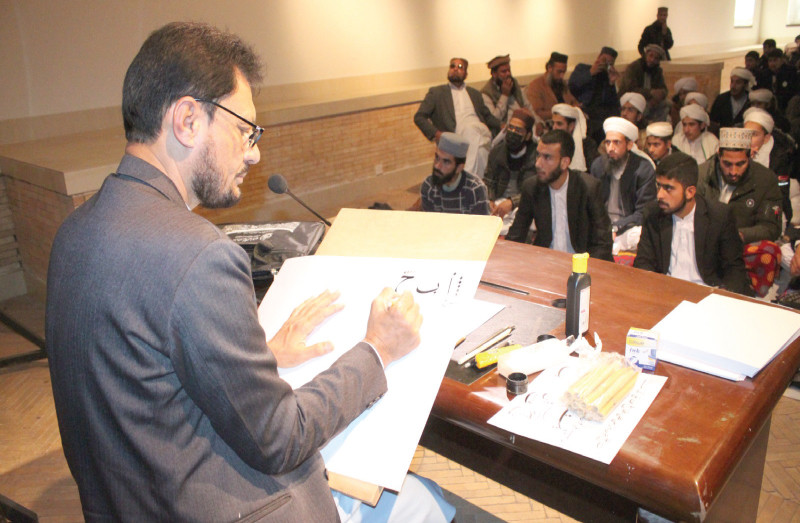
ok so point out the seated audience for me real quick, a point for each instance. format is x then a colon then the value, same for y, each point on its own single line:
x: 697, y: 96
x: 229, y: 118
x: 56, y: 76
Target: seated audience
x: 565, y: 204
x: 511, y: 162
x: 691, y: 98
x: 659, y: 141
x: 751, y: 63
x: 657, y: 33
x: 571, y: 119
x: 502, y: 94
x: 450, y: 188
x: 729, y: 107
x: 595, y: 87
x: 695, y: 140
x: 688, y: 237
x: 456, y: 108
x: 550, y: 89
x: 773, y: 149
x: 627, y: 181
x: 645, y: 76
x: 682, y: 87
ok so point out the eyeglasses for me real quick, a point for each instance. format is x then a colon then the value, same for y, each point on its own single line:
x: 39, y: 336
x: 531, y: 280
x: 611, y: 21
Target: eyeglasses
x: 252, y: 140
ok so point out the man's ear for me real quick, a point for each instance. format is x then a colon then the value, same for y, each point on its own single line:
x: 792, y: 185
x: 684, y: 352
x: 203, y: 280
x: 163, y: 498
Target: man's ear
x: 690, y: 192
x: 188, y: 118
x: 564, y: 162
x: 629, y: 145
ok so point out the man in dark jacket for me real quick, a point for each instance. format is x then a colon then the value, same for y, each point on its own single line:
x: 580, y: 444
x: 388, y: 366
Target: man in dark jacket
x: 595, y: 87
x: 687, y: 236
x: 749, y: 188
x: 511, y: 162
x: 565, y: 204
x: 729, y: 107
x: 657, y: 33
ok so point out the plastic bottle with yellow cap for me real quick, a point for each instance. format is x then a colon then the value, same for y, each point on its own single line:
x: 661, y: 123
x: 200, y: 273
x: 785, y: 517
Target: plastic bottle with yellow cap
x: 578, y: 296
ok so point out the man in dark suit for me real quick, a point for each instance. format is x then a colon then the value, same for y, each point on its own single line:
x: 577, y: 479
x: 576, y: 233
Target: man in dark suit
x: 167, y: 394
x: 687, y: 236
x: 729, y: 107
x: 657, y: 33
x: 457, y: 108
x: 565, y: 204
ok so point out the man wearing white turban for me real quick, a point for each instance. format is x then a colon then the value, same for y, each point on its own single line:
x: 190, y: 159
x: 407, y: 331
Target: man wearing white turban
x: 632, y: 107
x: 764, y: 99
x: 729, y: 107
x: 691, y: 98
x: 695, y: 140
x: 775, y: 150
x: 627, y: 181
x: 571, y: 119
x: 659, y: 141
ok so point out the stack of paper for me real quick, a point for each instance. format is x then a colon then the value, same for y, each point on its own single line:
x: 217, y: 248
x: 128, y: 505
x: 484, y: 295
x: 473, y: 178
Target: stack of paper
x: 727, y: 337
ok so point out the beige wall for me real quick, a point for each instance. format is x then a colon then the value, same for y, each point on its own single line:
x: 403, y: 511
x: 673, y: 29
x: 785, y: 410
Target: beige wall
x: 58, y: 57
x: 773, y: 25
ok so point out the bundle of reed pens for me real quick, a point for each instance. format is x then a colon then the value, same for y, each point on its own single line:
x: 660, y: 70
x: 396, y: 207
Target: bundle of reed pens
x: 597, y: 392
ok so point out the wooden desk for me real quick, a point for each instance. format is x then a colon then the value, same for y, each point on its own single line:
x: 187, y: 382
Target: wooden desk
x: 697, y: 454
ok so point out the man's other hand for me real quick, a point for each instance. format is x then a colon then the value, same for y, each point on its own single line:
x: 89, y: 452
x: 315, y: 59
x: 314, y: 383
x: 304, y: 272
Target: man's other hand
x: 503, y: 208
x: 289, y: 344
x: 393, y: 326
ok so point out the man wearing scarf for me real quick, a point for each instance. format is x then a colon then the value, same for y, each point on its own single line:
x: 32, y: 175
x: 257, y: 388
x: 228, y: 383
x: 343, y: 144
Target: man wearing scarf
x: 502, y: 93
x: 694, y: 139
x: 550, y: 89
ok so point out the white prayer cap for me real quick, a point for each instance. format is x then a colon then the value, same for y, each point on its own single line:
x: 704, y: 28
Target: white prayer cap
x: 742, y: 72
x: 761, y: 117
x: 735, y: 138
x: 699, y: 98
x: 687, y: 83
x: 622, y: 126
x: 760, y: 95
x: 660, y: 129
x: 566, y: 110
x: 695, y: 112
x: 635, y: 99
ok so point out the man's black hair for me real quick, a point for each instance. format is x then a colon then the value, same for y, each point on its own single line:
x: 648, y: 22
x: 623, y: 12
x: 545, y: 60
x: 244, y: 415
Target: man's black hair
x: 182, y: 59
x: 562, y: 138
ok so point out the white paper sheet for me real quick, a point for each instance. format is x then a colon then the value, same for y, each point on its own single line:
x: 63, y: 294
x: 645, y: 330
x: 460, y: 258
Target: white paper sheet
x: 541, y: 415
x: 732, y: 335
x: 379, y: 445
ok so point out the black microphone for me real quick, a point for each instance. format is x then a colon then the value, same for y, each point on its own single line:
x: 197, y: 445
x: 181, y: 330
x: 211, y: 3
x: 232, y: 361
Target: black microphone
x: 278, y: 184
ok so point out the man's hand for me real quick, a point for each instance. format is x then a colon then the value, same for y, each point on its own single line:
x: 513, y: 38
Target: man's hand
x: 436, y: 137
x: 393, y: 326
x: 507, y: 86
x: 503, y: 208
x: 795, y: 265
x: 289, y: 343
x: 613, y: 75
x: 598, y: 66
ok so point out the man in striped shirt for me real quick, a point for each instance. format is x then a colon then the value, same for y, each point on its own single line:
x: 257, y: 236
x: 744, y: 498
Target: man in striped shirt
x: 450, y: 188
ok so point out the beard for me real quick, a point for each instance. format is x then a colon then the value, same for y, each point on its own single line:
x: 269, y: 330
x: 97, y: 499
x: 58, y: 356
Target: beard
x: 207, y: 182
x: 617, y: 164
x: 548, y: 177
x: 439, y: 178
x: 678, y: 208
x: 455, y: 80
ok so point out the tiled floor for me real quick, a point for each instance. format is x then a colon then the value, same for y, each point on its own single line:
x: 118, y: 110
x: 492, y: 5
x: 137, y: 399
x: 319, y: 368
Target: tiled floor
x: 33, y: 471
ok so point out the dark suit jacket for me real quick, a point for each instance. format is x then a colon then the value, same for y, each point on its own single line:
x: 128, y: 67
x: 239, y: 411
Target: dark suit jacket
x: 168, y: 399
x: 437, y: 113
x: 718, y: 248
x: 589, y: 226
x: 721, y: 112
x: 637, y: 186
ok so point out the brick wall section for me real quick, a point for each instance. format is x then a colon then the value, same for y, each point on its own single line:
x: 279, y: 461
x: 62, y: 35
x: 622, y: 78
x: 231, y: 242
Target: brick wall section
x: 10, y: 260
x: 311, y: 154
x: 325, y: 152
x: 38, y: 213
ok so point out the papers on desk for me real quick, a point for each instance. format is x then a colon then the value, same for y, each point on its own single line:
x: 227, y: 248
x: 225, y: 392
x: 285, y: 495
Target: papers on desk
x: 378, y: 446
x: 726, y: 337
x: 541, y: 415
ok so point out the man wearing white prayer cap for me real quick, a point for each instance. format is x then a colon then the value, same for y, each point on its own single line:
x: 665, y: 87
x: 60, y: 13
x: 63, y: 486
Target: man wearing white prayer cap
x: 729, y: 107
x: 695, y: 140
x: 627, y: 180
x: 572, y: 120
x: 691, y: 98
x: 775, y: 150
x: 659, y: 141
x: 748, y: 187
x: 632, y: 107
